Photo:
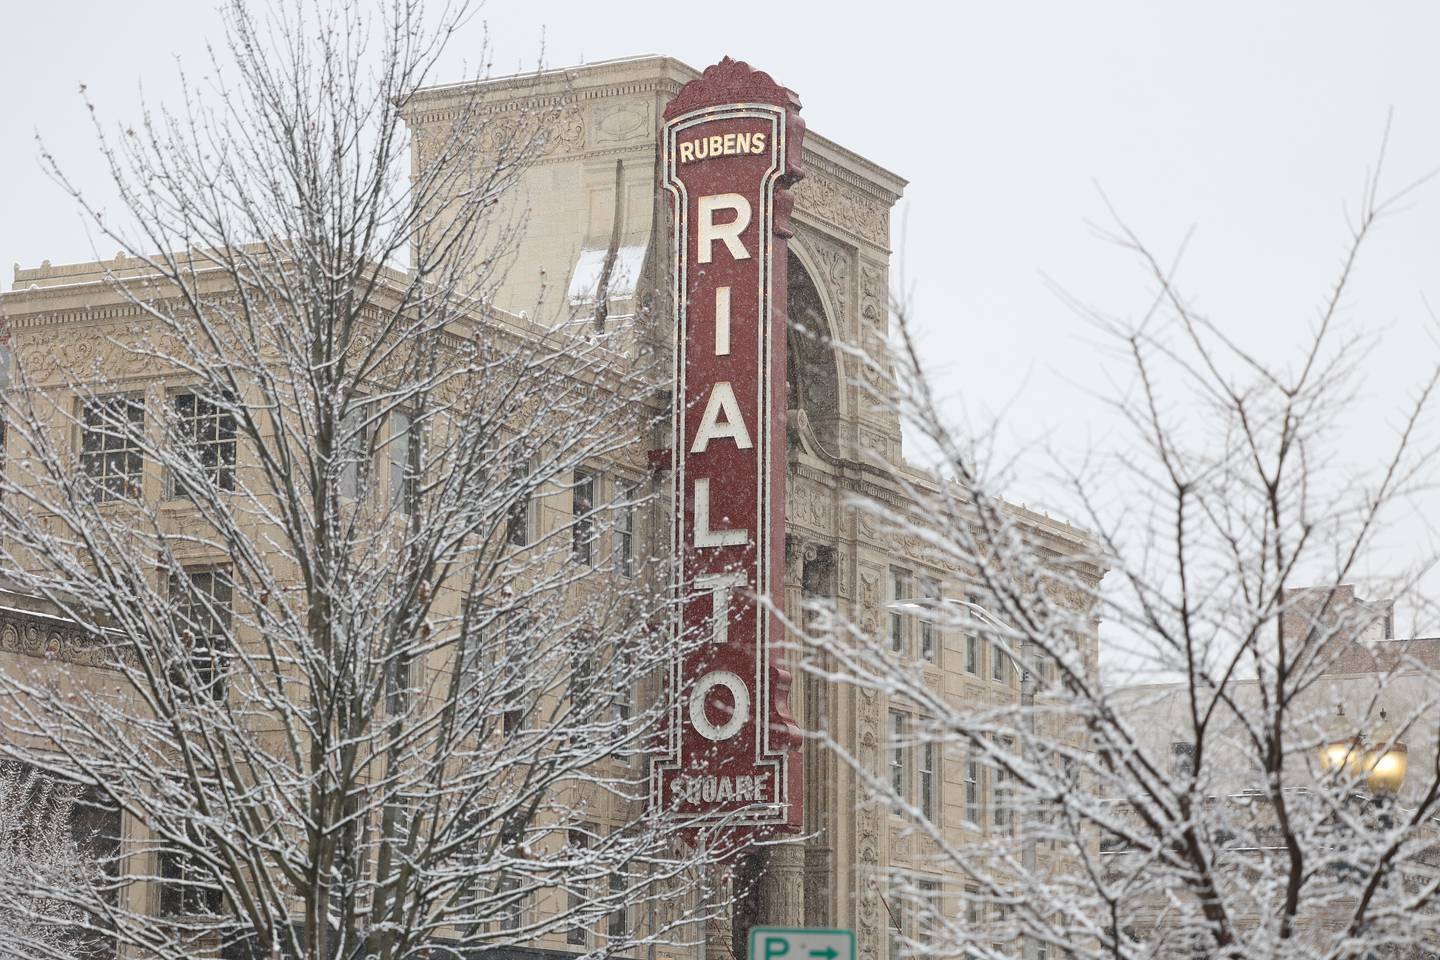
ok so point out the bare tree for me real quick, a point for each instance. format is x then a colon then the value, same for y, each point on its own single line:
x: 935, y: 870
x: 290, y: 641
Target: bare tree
x: 43, y: 865
x: 1225, y: 807
x: 363, y: 565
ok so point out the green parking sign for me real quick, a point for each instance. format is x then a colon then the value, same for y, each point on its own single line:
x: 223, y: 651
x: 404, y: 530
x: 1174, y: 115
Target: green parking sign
x: 800, y: 943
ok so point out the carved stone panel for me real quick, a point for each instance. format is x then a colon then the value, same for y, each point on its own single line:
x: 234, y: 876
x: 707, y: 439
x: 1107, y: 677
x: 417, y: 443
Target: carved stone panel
x: 838, y: 203
x: 810, y: 505
x: 617, y: 123
x: 834, y: 263
x: 873, y: 299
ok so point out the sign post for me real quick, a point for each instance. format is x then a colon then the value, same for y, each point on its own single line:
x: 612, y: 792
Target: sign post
x: 798, y: 943
x: 730, y: 149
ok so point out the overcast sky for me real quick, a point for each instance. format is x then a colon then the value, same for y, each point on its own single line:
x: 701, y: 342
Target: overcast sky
x: 1252, y: 124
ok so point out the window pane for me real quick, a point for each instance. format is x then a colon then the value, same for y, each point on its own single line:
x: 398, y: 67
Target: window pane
x: 110, y: 455
x: 518, y: 526
x: 897, y: 753
x: 404, y: 462
x: 202, y: 601
x: 899, y: 589
x: 927, y: 780
x: 618, y: 923
x: 973, y: 812
x: 207, y: 429
x: 625, y: 530
x: 927, y: 622
x: 577, y: 934
x: 355, y: 448
x: 582, y: 531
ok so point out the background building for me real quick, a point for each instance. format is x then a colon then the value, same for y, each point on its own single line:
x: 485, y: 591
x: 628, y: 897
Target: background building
x: 1363, y: 707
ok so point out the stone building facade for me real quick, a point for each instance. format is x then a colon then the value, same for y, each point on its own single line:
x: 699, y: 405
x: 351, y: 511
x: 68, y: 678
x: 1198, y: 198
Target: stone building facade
x: 594, y: 189
x: 589, y: 206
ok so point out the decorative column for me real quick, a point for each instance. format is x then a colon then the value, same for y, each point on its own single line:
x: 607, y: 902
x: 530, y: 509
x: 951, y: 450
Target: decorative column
x: 719, y: 929
x: 782, y: 866
x: 782, y: 887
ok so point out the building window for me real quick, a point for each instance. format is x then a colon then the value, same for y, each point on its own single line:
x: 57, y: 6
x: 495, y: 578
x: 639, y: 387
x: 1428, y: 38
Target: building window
x: 1044, y: 671
x: 972, y: 907
x: 355, y: 446
x: 972, y: 653
x: 398, y: 681
x: 973, y: 810
x: 582, y: 510
x: 927, y: 779
x: 1004, y: 820
x: 187, y: 888
x: 998, y: 661
x: 931, y: 910
x: 897, y: 754
x: 987, y: 794
x: 110, y: 455
x: 1000, y: 927
x: 517, y: 528
x: 575, y: 901
x: 625, y: 530
x: 617, y: 924
x: 202, y: 599
x: 516, y: 675
x: 899, y: 590
x: 404, y: 462
x: 896, y: 902
x: 207, y: 429
x: 1182, y: 758
x: 582, y: 670
x: 623, y: 669
x: 513, y: 903
x: 927, y: 620
x: 469, y: 861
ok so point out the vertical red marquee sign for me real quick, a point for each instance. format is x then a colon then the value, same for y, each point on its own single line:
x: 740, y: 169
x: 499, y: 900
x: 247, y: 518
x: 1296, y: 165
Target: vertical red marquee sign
x: 730, y: 151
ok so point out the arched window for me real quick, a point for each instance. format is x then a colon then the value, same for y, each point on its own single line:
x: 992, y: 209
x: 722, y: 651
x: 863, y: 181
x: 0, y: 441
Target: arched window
x: 810, y: 370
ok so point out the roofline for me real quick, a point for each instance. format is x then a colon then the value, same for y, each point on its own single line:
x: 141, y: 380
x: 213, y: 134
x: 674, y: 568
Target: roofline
x: 678, y: 70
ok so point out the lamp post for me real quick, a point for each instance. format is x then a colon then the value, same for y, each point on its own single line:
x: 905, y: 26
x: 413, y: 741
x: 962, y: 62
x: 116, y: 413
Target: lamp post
x: 1375, y: 760
x: 1022, y: 668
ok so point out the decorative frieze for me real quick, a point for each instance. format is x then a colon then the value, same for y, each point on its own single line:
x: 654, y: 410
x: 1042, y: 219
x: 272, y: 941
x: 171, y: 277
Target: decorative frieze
x: 826, y: 197
x: 51, y: 638
x: 810, y: 505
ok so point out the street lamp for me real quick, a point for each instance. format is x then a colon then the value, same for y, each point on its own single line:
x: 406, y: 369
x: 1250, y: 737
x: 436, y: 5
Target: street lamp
x: 1377, y: 760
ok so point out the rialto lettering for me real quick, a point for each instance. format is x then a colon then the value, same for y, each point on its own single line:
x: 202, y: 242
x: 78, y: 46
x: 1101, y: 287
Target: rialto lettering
x: 721, y: 145
x: 723, y: 419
